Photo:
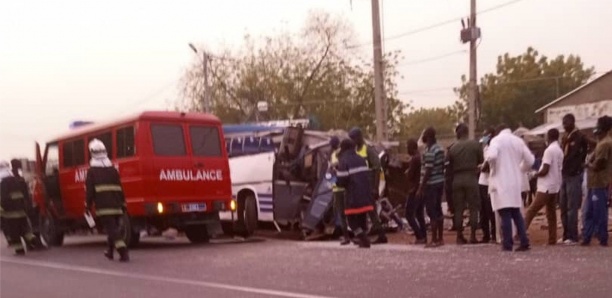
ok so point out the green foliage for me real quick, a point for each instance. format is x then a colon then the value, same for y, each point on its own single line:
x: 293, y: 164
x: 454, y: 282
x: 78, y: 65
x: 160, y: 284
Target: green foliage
x: 443, y: 120
x: 522, y: 84
x: 310, y: 74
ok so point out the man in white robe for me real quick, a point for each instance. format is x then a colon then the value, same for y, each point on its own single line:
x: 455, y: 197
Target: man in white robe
x: 505, y: 155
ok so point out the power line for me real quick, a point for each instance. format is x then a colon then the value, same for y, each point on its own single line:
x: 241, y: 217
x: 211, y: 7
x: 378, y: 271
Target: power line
x: 416, y: 91
x: 149, y: 97
x: 433, y: 89
x: 436, y: 25
x: 434, y: 58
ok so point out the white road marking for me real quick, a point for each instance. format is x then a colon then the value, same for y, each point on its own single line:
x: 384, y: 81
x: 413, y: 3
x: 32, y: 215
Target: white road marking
x: 58, y: 266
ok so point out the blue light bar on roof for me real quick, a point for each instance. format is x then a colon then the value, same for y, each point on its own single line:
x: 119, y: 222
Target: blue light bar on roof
x: 77, y: 124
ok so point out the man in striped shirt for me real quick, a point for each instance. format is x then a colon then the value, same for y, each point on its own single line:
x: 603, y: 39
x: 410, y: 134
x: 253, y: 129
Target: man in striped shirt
x: 431, y: 186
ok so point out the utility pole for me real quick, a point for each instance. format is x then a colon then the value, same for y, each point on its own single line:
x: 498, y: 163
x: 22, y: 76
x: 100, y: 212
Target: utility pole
x: 378, y: 74
x: 471, y: 34
x: 206, y: 97
x: 205, y: 101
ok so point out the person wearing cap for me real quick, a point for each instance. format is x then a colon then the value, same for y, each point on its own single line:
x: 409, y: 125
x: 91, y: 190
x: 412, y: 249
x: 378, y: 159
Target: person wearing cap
x: 338, y: 192
x: 14, y: 204
x: 464, y: 158
x: 431, y: 186
x: 599, y: 175
x: 354, y: 176
x: 105, y: 193
x: 487, y: 216
x: 373, y: 163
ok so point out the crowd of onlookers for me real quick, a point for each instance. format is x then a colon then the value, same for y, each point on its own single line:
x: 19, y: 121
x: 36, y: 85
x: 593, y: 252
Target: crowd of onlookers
x: 491, y: 179
x: 498, y: 180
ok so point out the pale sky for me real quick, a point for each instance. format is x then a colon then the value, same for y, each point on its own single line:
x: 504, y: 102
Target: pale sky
x: 67, y: 60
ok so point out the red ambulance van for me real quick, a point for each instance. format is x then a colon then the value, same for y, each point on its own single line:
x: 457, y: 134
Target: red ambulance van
x: 174, y: 171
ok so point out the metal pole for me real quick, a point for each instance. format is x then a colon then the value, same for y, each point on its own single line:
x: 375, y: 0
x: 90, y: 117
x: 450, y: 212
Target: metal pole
x: 378, y: 75
x: 473, y: 85
x: 206, y: 96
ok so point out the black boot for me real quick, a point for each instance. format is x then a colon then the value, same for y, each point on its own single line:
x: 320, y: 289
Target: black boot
x: 364, y: 242
x: 345, y: 240
x: 20, y: 252
x: 109, y: 252
x: 381, y: 239
x: 123, y: 254
x: 38, y: 243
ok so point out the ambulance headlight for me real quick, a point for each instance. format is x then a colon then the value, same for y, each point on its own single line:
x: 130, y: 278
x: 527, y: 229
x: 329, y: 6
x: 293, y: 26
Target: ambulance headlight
x: 233, y: 205
x: 160, y: 208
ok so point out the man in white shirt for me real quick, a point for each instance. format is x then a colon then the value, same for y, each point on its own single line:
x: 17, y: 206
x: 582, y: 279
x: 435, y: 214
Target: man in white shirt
x: 549, y: 184
x: 505, y: 154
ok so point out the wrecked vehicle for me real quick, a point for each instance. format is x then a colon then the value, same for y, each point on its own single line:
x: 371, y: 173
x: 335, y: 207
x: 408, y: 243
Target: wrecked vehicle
x: 302, y: 196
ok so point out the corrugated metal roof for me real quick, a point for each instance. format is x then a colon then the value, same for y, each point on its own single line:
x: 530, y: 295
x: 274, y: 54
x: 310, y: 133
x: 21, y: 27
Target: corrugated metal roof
x: 572, y: 92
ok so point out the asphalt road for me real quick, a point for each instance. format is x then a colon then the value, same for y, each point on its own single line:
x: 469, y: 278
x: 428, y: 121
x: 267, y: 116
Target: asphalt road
x: 281, y: 268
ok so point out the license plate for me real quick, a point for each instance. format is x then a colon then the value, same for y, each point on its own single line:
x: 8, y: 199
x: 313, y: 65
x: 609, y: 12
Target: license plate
x: 194, y: 207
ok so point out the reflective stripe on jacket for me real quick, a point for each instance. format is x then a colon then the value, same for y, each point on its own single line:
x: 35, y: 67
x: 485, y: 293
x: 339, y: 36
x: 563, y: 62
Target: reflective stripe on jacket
x: 103, y: 187
x: 354, y: 175
x: 14, y: 196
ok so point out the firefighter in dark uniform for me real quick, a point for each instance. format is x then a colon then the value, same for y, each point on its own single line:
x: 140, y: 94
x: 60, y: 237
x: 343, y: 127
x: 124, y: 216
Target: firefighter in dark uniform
x: 32, y: 209
x: 373, y: 162
x: 14, y: 203
x: 354, y: 176
x: 104, y: 191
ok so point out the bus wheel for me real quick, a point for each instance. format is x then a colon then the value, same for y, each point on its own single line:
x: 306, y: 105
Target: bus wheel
x: 197, y: 233
x: 50, y: 231
x: 131, y: 237
x: 250, y: 215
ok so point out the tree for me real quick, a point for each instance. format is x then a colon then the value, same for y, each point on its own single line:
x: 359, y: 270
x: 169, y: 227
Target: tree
x: 442, y: 119
x: 310, y: 74
x: 522, y: 84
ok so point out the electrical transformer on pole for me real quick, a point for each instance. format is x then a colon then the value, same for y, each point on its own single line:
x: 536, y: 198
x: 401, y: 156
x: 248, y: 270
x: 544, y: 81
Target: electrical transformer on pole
x: 470, y: 35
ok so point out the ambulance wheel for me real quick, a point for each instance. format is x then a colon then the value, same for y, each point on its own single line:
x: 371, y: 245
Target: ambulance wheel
x: 131, y: 237
x: 197, y: 234
x: 50, y: 231
x: 250, y: 214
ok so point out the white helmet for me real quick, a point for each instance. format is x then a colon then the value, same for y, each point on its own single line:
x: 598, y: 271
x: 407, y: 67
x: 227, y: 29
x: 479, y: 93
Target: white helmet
x: 5, y: 169
x: 97, y: 148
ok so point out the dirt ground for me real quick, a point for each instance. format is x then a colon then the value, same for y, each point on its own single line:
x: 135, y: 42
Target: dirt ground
x: 538, y: 232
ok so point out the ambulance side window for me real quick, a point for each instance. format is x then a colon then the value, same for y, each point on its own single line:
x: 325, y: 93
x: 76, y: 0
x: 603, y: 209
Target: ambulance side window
x: 125, y: 142
x: 73, y: 153
x: 168, y: 139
